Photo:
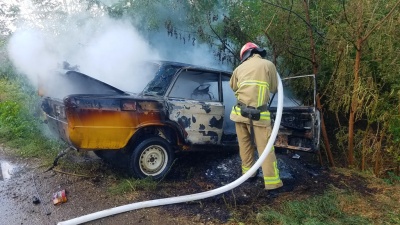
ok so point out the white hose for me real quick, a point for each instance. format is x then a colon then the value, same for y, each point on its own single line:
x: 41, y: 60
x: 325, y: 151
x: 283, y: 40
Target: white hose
x: 192, y: 197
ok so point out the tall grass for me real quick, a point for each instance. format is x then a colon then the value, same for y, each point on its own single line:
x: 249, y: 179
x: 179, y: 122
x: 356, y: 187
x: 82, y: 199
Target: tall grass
x: 317, y: 210
x: 21, y: 127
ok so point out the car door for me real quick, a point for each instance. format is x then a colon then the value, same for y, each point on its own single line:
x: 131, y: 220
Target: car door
x: 194, y: 102
x: 300, y: 124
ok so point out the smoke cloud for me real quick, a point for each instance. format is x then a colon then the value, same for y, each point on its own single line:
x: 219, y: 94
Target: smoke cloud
x: 106, y: 49
x: 109, y: 53
x: 114, y: 55
x: 31, y: 54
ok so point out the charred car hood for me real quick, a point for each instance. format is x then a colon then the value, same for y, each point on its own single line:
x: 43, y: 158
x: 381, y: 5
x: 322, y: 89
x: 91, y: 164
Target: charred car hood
x: 72, y: 82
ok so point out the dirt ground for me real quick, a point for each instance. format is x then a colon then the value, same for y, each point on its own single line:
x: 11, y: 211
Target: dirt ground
x: 23, y: 180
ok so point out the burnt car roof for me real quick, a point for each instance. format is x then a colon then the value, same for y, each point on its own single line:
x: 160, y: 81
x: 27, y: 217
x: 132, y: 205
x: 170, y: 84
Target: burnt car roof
x: 70, y: 81
x: 167, y: 71
x: 189, y: 66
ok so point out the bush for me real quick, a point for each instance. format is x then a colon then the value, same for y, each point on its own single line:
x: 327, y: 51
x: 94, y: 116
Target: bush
x: 20, y: 125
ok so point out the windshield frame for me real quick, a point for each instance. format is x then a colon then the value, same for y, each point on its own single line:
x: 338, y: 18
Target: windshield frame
x: 295, y: 100
x: 159, y: 85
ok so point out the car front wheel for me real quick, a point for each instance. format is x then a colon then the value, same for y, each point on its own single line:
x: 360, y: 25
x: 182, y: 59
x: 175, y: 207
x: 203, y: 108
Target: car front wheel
x: 151, y: 158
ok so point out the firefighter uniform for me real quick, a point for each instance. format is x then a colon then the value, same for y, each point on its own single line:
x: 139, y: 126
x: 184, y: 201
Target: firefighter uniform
x: 252, y: 81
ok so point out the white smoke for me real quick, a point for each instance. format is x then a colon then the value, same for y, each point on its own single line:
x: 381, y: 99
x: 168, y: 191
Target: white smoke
x: 113, y: 55
x: 104, y: 48
x: 32, y: 54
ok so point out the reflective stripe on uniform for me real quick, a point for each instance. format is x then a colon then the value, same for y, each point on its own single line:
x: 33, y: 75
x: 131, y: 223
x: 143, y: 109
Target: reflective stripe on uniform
x: 263, y: 87
x: 254, y: 82
x: 263, y: 115
x: 245, y: 169
x: 274, y: 179
x: 261, y: 96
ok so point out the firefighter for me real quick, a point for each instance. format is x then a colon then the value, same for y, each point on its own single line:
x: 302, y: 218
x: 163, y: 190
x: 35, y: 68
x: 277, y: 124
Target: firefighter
x: 252, y: 81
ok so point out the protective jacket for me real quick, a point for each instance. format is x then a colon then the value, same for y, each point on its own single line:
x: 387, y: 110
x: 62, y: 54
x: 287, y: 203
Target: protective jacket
x: 252, y: 81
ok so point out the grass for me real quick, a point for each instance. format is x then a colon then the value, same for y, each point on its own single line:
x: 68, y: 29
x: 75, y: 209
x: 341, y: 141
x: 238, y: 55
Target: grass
x: 324, y: 209
x: 337, y: 206
x: 20, y: 124
x: 128, y: 185
x: 392, y: 178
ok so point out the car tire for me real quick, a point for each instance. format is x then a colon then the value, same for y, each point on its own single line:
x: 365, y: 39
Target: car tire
x: 152, y: 157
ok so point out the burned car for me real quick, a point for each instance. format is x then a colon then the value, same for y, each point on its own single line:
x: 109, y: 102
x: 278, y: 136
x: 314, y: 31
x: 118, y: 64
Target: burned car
x: 183, y: 108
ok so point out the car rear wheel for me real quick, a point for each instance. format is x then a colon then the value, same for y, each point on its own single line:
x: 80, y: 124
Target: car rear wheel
x: 151, y: 158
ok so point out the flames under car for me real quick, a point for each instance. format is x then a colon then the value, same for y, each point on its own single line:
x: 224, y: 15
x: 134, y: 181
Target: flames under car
x: 183, y: 108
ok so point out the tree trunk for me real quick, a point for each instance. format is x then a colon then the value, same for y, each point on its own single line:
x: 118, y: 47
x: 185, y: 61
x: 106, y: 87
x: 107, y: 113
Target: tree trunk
x: 378, y: 156
x: 319, y: 106
x: 325, y: 134
x: 354, y: 102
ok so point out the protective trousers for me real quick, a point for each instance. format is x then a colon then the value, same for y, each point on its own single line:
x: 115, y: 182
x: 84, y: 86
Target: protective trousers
x: 246, y: 148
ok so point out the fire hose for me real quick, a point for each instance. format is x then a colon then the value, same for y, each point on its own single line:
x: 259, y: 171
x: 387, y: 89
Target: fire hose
x: 197, y: 196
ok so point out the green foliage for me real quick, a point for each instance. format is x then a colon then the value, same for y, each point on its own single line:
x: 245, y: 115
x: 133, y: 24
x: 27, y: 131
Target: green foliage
x: 125, y: 186
x: 6, y: 69
x: 20, y: 126
x: 394, y: 128
x: 18, y: 122
x: 324, y: 209
x: 375, y: 89
x: 392, y: 178
x: 8, y: 14
x: 393, y: 218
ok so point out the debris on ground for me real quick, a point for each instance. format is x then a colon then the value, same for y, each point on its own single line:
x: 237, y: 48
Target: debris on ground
x: 35, y: 200
x: 59, y: 197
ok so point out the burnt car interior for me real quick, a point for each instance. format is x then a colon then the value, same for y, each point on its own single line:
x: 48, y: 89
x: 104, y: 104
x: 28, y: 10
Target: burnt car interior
x: 202, y: 92
x: 196, y: 85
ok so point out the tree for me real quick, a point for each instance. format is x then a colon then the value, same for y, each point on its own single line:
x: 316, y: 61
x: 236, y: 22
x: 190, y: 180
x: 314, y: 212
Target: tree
x: 8, y: 15
x: 355, y: 34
